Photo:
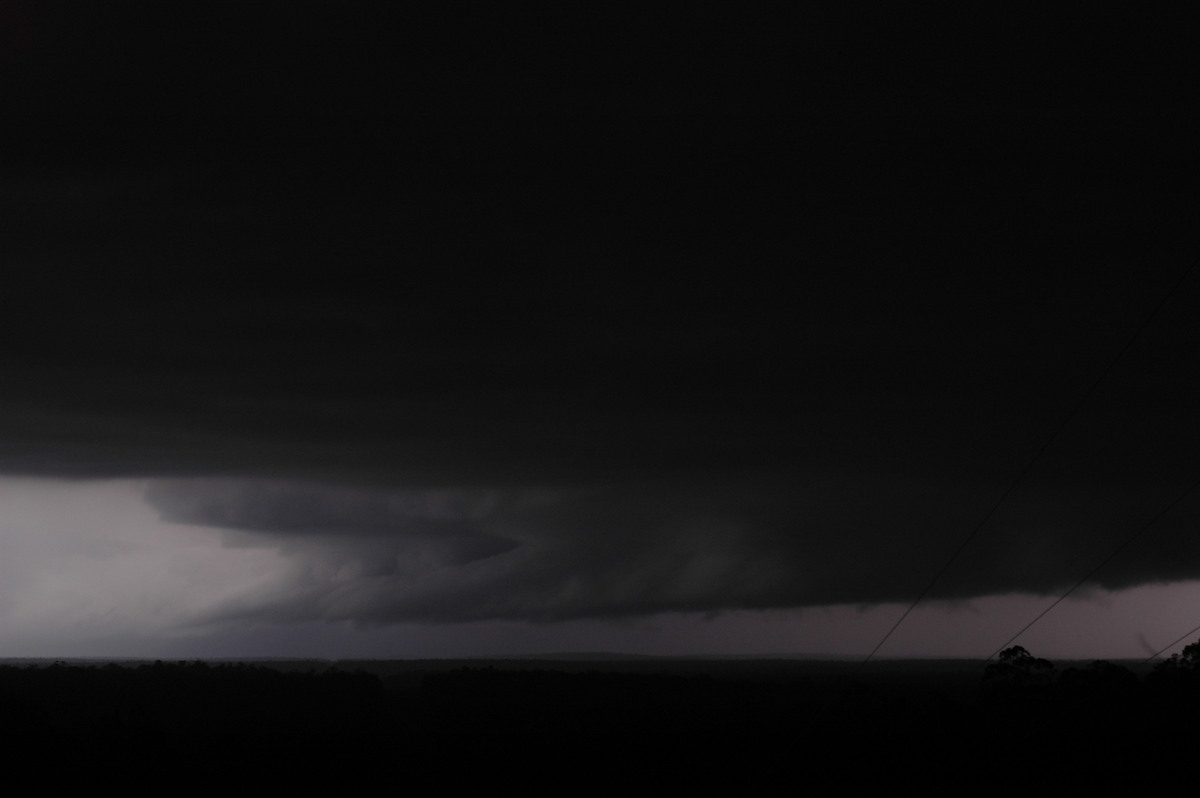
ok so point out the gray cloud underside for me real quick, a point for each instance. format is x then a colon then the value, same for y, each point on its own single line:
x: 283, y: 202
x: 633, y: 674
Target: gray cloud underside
x: 375, y: 556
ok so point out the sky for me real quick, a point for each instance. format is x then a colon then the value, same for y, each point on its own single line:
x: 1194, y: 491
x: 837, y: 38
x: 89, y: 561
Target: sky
x: 340, y: 330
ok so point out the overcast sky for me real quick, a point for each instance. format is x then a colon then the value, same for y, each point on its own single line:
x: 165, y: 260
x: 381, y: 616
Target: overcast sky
x: 337, y: 330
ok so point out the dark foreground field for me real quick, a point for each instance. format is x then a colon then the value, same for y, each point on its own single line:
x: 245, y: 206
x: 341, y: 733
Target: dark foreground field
x: 580, y: 726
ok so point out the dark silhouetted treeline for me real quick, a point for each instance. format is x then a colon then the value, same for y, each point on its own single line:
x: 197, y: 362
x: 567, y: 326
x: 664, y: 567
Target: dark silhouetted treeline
x: 184, y: 700
x: 700, y: 724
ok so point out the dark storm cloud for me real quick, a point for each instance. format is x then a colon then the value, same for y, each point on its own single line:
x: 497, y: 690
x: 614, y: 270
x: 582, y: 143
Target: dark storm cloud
x: 679, y: 320
x: 443, y: 521
x: 400, y: 555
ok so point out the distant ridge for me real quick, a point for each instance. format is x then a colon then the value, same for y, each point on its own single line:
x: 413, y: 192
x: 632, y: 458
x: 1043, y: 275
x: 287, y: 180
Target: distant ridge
x: 549, y: 656
x: 610, y: 656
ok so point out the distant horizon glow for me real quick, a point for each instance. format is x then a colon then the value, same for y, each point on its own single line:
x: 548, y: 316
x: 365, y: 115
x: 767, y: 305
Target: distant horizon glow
x: 89, y: 570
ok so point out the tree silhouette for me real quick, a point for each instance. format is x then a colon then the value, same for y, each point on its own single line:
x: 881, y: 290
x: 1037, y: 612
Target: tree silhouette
x: 1182, y: 666
x: 1018, y: 669
x: 1188, y: 659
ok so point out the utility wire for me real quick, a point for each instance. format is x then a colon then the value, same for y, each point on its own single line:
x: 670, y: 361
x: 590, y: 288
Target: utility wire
x: 1029, y: 466
x: 1167, y: 647
x: 1093, y: 572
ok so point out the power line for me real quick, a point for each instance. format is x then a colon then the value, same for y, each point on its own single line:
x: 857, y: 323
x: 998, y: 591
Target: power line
x: 1168, y: 646
x: 1103, y: 563
x: 1029, y: 466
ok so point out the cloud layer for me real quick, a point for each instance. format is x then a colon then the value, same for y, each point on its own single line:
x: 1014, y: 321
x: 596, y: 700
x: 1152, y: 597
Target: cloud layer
x: 640, y: 318
x: 384, y: 556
